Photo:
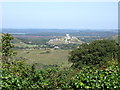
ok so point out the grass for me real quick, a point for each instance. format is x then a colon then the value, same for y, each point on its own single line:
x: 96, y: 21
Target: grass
x: 46, y: 57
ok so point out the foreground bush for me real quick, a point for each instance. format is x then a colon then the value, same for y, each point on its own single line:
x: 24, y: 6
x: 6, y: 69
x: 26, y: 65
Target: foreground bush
x: 54, y: 77
x: 92, y: 78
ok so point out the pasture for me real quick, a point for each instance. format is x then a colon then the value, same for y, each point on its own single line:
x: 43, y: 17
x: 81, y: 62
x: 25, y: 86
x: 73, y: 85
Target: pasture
x: 45, y: 56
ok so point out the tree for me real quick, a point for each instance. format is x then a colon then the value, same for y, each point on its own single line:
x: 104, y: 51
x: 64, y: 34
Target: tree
x: 96, y: 53
x: 7, y: 46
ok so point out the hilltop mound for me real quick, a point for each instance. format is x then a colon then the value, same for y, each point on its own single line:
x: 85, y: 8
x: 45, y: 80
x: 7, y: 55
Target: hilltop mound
x: 65, y: 40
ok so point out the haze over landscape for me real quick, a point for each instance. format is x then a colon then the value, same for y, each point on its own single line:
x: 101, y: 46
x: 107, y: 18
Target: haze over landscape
x: 60, y: 15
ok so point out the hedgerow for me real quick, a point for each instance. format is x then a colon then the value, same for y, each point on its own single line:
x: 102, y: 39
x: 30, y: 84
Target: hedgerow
x: 54, y: 77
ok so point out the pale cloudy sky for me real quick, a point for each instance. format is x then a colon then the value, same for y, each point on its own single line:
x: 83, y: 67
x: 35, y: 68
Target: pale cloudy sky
x: 72, y: 15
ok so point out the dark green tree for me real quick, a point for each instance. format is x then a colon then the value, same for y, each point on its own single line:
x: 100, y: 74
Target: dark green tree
x: 96, y: 53
x: 7, y: 52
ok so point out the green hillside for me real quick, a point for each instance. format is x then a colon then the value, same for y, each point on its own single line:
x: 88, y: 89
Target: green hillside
x: 20, y: 44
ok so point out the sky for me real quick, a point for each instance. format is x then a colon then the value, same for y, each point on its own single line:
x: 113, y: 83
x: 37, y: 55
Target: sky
x: 59, y: 15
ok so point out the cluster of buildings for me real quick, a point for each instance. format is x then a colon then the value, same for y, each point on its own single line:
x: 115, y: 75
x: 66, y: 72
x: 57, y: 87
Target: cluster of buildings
x: 64, y: 40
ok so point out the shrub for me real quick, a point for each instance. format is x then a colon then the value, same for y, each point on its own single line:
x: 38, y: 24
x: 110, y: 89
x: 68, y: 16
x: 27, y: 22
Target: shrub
x: 96, y: 53
x: 54, y: 77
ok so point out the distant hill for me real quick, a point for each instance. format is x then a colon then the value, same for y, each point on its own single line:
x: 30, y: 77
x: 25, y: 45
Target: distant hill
x: 79, y: 33
x: 18, y: 43
x: 65, y: 40
x: 28, y: 31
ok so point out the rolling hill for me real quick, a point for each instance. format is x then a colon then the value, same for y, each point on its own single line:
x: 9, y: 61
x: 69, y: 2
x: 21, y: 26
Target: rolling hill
x: 18, y: 43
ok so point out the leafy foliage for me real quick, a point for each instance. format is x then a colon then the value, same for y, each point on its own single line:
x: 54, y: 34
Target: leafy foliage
x: 54, y: 77
x: 7, y: 46
x: 95, y: 53
x: 93, y: 78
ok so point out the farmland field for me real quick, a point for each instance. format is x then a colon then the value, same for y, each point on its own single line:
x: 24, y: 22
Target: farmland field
x: 46, y: 57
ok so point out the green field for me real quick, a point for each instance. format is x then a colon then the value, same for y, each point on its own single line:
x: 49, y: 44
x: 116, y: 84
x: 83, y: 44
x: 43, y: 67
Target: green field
x: 46, y: 57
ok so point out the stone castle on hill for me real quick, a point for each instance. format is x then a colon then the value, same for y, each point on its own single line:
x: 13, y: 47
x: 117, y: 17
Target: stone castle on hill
x: 65, y: 40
